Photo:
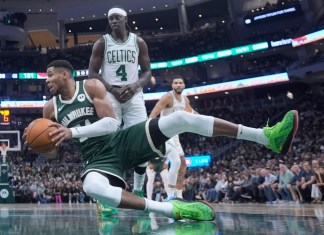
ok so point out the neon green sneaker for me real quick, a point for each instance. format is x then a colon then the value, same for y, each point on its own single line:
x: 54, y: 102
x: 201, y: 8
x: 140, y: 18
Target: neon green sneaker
x: 103, y: 210
x: 138, y: 193
x: 192, y: 210
x: 281, y: 135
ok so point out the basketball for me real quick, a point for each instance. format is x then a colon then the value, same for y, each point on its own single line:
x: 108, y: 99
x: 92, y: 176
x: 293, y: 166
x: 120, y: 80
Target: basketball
x: 37, y: 135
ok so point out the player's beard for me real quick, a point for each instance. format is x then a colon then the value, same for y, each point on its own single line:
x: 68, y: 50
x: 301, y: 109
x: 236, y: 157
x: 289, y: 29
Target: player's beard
x: 178, y: 91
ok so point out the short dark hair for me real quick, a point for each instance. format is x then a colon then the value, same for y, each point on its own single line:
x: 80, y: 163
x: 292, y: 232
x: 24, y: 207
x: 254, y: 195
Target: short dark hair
x: 61, y: 64
x: 177, y: 77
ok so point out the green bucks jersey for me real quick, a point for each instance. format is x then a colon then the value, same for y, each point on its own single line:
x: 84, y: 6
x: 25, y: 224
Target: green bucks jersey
x: 79, y: 111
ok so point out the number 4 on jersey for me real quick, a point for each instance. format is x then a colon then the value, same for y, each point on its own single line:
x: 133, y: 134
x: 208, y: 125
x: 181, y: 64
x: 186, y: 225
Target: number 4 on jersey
x: 121, y: 72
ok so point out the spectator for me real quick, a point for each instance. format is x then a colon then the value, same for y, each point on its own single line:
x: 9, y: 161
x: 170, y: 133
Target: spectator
x: 306, y: 183
x: 296, y: 182
x: 269, y: 179
x: 318, y: 185
x: 284, y: 178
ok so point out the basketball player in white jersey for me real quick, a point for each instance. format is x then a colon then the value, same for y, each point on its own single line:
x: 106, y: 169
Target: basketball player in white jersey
x: 118, y: 54
x: 171, y: 102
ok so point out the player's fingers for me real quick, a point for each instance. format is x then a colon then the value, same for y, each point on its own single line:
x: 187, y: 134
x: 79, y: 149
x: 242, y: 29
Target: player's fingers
x: 125, y: 92
x: 54, y: 124
x: 59, y: 141
x: 58, y: 138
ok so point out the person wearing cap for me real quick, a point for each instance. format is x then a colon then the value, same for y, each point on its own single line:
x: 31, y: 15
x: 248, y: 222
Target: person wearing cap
x: 118, y: 54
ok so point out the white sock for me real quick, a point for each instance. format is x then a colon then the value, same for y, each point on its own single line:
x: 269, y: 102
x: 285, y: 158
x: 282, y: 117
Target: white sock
x: 252, y: 134
x: 164, y: 208
x: 138, y: 181
x: 179, y: 193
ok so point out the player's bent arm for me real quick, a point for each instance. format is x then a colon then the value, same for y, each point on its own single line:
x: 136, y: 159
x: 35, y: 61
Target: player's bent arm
x: 163, y: 102
x: 189, y: 109
x: 100, y: 99
x: 96, y: 60
x: 144, y: 62
x: 107, y: 123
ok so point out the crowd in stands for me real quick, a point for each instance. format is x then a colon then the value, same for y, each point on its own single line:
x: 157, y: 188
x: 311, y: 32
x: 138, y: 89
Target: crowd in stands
x: 317, y: 58
x: 264, y: 65
x: 241, y: 171
x: 211, y: 36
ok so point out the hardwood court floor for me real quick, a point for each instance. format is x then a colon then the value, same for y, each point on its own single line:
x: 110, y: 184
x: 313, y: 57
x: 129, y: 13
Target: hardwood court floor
x: 80, y: 219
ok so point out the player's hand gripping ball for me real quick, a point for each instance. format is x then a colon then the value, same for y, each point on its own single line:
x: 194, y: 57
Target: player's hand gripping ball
x: 37, y: 135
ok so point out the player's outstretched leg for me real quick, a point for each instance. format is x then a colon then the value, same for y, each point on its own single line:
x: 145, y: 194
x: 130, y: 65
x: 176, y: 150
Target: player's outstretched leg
x: 98, y: 186
x: 278, y: 138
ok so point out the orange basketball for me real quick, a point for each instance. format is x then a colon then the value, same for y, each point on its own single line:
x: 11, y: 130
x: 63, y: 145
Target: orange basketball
x: 37, y: 135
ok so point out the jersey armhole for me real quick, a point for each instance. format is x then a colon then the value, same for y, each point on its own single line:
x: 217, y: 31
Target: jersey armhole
x: 106, y: 44
x: 86, y: 93
x: 136, y: 45
x: 55, y: 108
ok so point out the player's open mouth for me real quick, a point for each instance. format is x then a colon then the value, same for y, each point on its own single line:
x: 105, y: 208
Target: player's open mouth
x: 50, y: 88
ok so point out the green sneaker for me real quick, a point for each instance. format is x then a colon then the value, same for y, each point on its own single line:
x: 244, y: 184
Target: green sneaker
x: 192, y: 210
x: 138, y: 193
x: 103, y: 210
x: 281, y: 135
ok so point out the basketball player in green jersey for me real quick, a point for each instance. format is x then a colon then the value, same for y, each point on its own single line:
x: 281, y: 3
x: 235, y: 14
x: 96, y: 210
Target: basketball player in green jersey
x: 118, y: 54
x: 83, y: 113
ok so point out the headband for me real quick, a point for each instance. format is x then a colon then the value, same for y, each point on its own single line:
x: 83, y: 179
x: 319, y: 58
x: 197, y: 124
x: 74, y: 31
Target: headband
x: 117, y: 11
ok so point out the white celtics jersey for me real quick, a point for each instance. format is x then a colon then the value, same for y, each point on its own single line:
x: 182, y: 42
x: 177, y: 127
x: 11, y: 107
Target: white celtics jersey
x: 120, y: 64
x: 176, y: 105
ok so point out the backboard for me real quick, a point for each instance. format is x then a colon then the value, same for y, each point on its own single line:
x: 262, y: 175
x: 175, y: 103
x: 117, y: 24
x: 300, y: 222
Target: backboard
x: 11, y: 139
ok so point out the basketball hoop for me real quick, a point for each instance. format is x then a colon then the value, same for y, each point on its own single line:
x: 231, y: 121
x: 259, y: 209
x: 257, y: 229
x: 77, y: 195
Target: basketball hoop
x: 3, y: 149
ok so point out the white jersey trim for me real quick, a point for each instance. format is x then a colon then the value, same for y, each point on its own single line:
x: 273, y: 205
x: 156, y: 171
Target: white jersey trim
x: 74, y: 95
x: 149, y: 139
